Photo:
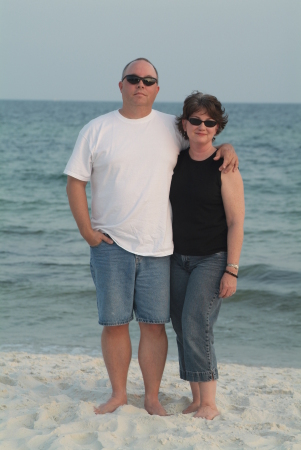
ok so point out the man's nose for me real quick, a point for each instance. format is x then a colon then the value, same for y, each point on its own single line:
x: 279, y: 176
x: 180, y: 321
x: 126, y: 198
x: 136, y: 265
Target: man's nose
x: 140, y: 84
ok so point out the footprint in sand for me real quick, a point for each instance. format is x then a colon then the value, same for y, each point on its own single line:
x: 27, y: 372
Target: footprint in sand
x: 8, y: 381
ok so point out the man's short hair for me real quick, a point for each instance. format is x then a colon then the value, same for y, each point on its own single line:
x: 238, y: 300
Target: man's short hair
x: 140, y: 59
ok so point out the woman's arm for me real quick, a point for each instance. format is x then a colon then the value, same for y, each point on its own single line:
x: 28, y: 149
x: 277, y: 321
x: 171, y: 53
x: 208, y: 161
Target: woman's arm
x: 233, y: 199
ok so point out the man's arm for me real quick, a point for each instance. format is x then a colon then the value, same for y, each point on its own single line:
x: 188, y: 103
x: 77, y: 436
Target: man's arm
x: 76, y: 191
x: 227, y: 152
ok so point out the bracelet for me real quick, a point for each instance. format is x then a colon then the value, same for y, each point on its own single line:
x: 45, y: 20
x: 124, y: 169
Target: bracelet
x: 236, y: 266
x: 230, y: 273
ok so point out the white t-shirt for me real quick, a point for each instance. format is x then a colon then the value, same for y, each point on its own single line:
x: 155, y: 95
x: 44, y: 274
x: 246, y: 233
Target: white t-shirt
x: 129, y: 163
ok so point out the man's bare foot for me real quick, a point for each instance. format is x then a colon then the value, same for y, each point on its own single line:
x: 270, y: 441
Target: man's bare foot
x: 206, y: 412
x: 110, y: 406
x: 155, y: 408
x: 193, y: 407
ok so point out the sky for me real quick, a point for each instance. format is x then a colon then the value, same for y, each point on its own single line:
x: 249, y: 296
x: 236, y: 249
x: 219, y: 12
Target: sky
x: 237, y: 50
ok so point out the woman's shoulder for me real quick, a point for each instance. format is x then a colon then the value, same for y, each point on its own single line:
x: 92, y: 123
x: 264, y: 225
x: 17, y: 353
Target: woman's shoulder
x: 184, y: 152
x: 183, y: 156
x: 232, y: 178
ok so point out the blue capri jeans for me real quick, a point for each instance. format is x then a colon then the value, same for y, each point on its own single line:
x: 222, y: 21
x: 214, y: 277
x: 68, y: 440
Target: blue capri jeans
x: 195, y: 305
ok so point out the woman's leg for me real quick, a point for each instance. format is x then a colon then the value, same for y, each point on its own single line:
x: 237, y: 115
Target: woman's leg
x: 178, y: 282
x: 196, y: 398
x: 203, y: 400
x: 199, y: 313
x: 179, y: 277
x: 207, y: 409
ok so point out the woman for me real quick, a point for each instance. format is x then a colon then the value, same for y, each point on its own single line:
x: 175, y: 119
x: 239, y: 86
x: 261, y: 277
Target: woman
x: 208, y: 215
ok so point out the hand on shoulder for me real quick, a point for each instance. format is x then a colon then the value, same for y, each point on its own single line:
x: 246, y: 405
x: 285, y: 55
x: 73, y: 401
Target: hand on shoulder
x: 227, y: 152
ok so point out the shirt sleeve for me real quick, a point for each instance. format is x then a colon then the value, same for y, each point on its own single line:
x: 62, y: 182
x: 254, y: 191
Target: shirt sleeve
x: 183, y: 143
x: 80, y: 163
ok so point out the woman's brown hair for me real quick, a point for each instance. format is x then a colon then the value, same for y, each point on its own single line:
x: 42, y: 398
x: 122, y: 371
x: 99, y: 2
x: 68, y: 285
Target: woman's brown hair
x: 198, y: 101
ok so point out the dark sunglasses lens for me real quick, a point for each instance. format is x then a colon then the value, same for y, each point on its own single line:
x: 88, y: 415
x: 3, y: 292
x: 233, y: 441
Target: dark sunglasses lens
x: 194, y: 121
x: 148, y: 81
x: 132, y: 79
x: 209, y: 123
x: 197, y: 122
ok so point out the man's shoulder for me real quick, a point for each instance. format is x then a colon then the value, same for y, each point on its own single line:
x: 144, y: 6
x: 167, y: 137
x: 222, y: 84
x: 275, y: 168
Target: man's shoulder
x: 98, y: 122
x: 168, y: 121
x: 164, y: 116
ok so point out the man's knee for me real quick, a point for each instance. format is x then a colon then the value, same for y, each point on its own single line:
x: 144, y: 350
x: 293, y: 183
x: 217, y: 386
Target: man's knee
x: 153, y: 329
x: 115, y: 330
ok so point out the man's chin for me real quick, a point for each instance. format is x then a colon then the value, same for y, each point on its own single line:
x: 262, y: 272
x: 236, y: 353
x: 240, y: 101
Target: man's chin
x: 140, y: 100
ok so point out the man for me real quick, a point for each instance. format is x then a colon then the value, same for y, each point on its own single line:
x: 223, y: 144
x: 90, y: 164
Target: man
x: 129, y: 156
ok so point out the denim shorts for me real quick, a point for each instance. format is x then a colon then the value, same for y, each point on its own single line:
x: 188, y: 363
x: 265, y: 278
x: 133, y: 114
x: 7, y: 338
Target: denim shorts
x: 194, y: 308
x: 126, y: 282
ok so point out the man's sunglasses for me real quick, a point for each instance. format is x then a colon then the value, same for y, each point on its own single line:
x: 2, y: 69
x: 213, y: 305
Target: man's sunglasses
x: 197, y: 122
x: 134, y: 79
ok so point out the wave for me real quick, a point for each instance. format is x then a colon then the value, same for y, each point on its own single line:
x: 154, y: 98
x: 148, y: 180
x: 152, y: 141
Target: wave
x: 264, y: 273
x: 273, y: 300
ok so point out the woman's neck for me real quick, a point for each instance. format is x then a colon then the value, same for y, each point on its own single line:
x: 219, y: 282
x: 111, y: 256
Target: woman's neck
x: 201, y: 152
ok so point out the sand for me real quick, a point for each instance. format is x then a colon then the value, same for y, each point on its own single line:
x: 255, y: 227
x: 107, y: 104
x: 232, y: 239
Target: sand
x: 47, y: 403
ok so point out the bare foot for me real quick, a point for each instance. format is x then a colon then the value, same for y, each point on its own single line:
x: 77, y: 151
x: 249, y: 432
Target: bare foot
x: 206, y: 412
x: 110, y: 406
x: 155, y: 408
x: 193, y: 407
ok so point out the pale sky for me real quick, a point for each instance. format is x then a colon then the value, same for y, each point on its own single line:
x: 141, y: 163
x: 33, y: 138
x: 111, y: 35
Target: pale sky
x: 238, y: 50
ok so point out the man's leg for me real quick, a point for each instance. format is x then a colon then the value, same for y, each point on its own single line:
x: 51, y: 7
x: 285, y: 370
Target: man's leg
x: 113, y: 272
x: 151, y: 308
x: 152, y: 355
x: 117, y: 352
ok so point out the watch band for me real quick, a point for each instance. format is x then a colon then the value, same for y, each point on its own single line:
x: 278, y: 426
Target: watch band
x: 236, y: 266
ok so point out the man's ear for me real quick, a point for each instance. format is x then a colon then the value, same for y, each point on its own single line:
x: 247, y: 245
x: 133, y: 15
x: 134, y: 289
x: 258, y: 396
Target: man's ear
x: 120, y: 84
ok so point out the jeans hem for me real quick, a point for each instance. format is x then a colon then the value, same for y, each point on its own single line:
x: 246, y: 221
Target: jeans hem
x: 154, y: 322
x: 199, y: 376
x: 114, y: 324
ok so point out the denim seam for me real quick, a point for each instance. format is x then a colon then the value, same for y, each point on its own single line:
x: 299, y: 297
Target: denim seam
x: 207, y: 334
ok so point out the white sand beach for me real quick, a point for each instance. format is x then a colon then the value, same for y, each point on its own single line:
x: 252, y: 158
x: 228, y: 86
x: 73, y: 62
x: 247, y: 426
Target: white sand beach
x: 47, y: 403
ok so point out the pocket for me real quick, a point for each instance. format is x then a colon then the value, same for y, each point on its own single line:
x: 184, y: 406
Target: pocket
x: 96, y: 246
x: 221, y: 258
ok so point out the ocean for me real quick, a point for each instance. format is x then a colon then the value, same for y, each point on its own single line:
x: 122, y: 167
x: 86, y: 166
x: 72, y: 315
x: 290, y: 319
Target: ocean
x: 47, y: 297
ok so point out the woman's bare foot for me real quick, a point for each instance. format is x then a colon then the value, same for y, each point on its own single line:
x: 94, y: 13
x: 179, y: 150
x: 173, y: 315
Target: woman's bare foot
x: 193, y: 407
x: 110, y: 406
x: 155, y: 408
x: 207, y: 412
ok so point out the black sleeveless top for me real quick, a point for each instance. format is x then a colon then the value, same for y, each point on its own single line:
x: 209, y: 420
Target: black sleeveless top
x: 199, y: 220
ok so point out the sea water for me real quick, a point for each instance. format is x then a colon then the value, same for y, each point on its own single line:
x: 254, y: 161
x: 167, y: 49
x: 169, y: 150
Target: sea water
x: 47, y: 296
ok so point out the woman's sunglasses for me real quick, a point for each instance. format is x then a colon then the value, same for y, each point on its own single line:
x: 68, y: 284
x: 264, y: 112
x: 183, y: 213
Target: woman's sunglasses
x: 197, y: 122
x: 134, y: 79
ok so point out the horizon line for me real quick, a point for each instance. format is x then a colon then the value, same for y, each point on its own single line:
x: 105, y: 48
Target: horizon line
x: 161, y: 101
